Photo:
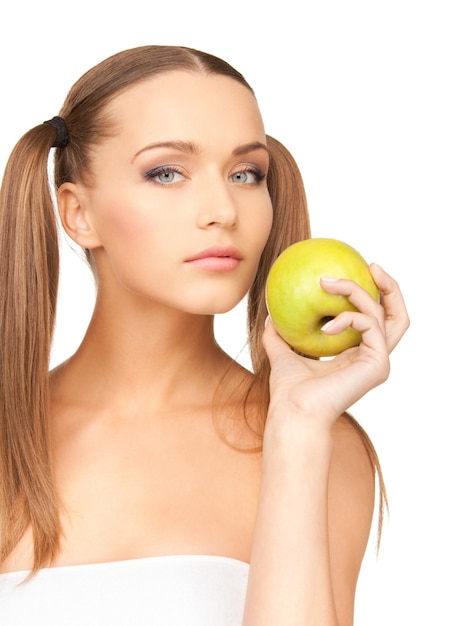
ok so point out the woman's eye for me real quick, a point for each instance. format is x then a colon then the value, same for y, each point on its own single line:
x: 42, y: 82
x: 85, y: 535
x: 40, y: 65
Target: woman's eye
x: 249, y: 177
x: 165, y: 175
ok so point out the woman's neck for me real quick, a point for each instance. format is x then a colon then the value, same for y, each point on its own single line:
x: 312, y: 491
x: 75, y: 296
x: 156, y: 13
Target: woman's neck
x: 128, y: 358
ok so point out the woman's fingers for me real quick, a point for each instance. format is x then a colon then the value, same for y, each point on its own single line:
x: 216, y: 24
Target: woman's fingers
x: 373, y: 348
x: 390, y: 313
x: 396, y: 316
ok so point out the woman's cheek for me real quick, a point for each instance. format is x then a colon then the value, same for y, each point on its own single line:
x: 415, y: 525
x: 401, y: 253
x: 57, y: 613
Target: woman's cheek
x: 126, y: 226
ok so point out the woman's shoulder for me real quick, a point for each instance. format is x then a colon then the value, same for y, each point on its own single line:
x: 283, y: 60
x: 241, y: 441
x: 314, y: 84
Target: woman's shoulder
x: 351, y: 502
x: 353, y: 459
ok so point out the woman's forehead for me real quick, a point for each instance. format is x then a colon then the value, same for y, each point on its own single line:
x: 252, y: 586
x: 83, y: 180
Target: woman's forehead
x: 178, y: 96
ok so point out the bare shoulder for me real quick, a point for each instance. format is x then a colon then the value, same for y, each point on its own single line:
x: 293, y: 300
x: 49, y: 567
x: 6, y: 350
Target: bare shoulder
x: 351, y: 455
x: 351, y: 483
x: 351, y: 510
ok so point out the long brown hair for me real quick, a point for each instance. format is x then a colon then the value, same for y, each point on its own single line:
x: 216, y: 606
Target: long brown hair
x: 30, y: 269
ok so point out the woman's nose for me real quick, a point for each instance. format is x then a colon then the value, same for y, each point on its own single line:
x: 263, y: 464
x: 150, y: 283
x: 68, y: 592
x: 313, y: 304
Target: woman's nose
x: 217, y: 206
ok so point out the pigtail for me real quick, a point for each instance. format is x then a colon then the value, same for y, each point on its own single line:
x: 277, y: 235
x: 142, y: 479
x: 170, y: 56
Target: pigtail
x: 28, y: 292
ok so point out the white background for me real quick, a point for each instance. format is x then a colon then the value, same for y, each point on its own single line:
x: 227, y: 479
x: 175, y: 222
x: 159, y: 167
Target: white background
x: 359, y: 92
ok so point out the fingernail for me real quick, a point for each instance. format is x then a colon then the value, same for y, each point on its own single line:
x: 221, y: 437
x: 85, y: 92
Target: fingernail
x: 329, y: 279
x: 327, y: 325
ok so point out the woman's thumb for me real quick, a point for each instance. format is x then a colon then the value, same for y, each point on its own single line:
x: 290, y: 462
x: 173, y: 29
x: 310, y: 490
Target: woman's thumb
x: 272, y: 342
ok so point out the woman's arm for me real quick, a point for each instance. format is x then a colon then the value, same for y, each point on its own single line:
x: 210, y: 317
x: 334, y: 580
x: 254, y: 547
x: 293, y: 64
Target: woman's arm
x: 317, y: 487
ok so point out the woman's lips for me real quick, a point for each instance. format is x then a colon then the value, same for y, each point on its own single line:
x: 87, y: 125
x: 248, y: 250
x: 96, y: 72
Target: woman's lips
x: 217, y: 259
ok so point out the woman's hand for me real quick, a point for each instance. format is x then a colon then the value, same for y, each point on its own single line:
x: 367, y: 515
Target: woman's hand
x: 325, y: 389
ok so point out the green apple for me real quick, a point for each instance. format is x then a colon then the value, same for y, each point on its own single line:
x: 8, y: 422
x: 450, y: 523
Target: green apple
x: 298, y: 305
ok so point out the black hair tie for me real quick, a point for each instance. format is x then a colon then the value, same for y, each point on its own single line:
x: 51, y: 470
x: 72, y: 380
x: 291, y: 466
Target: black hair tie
x: 62, y: 136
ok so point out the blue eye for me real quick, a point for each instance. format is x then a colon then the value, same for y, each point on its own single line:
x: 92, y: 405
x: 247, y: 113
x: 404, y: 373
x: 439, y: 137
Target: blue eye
x: 165, y: 175
x: 248, y: 177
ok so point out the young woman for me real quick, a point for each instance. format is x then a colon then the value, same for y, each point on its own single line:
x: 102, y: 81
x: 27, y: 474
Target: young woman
x: 150, y: 479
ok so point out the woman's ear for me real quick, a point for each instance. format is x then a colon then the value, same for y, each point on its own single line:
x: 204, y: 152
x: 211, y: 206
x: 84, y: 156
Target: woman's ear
x: 72, y: 207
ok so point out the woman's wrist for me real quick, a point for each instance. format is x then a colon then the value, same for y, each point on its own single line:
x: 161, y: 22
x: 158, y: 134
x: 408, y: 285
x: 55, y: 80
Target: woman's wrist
x: 296, y: 435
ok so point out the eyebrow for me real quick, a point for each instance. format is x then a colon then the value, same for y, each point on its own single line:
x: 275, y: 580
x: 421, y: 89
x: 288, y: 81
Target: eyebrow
x: 249, y: 147
x: 190, y: 148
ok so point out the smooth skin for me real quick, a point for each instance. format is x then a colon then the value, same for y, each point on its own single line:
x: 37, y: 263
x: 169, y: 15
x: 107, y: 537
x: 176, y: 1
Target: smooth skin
x: 140, y: 468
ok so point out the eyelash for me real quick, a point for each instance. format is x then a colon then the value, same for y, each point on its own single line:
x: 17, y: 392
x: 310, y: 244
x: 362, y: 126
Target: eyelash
x: 152, y: 174
x: 259, y: 174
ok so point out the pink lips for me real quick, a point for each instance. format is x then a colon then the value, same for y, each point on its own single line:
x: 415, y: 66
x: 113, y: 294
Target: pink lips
x: 217, y: 259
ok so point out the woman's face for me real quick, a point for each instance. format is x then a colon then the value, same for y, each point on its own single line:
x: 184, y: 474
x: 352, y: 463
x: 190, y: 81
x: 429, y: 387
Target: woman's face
x: 180, y: 205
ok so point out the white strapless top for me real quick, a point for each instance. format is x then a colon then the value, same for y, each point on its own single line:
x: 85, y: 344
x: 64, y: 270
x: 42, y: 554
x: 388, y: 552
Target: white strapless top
x: 156, y: 591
